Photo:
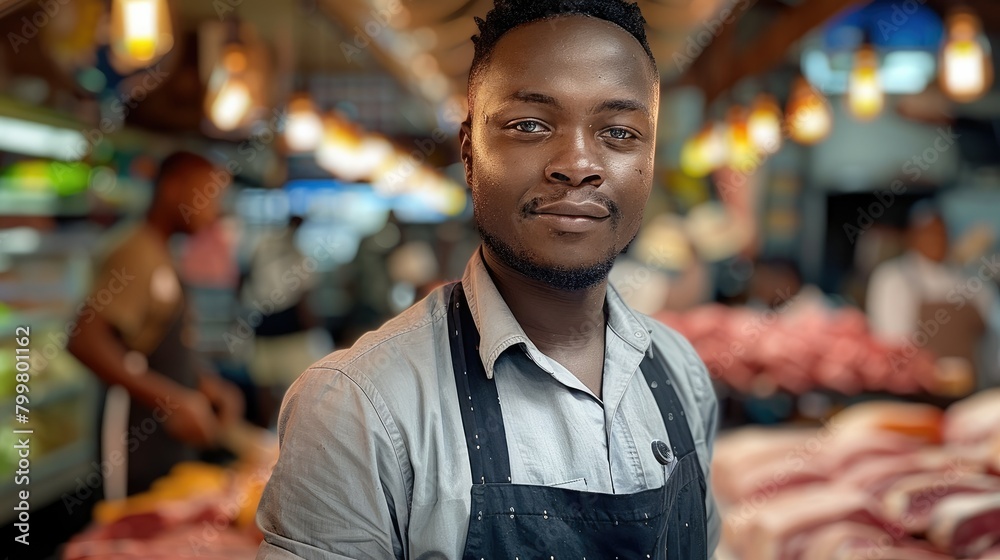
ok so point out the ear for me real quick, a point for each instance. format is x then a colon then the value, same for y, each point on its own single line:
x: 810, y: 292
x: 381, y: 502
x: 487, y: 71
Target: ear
x: 465, y: 145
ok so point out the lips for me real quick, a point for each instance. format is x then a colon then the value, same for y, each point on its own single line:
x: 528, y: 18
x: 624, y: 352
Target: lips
x: 589, y: 209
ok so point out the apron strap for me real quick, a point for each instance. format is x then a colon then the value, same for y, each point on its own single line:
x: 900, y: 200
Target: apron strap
x: 654, y: 370
x: 478, y: 399
x: 482, y: 418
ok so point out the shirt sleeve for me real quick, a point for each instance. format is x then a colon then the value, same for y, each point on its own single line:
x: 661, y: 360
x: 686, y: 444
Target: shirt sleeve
x: 120, y: 293
x: 337, y: 490
x: 709, y: 407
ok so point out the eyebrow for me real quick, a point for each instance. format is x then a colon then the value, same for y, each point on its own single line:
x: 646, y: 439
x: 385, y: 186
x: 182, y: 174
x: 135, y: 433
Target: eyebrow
x: 621, y: 105
x: 610, y: 105
x: 534, y: 97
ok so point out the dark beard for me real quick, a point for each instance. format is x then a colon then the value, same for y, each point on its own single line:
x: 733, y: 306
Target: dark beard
x: 560, y: 278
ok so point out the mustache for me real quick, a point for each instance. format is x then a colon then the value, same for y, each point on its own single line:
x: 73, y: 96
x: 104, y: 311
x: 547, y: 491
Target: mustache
x: 604, y: 200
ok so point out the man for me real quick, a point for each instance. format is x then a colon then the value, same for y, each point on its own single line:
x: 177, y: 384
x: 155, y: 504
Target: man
x: 137, y: 339
x: 508, y: 415
x: 919, y: 292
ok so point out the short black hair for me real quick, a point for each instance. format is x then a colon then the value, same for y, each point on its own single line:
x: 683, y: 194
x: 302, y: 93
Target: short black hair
x: 508, y: 14
x: 176, y: 163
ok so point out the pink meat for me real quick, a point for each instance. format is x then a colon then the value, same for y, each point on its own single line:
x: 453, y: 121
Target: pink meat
x: 967, y: 525
x: 910, y: 500
x: 875, y: 475
x: 782, y: 527
x: 973, y: 420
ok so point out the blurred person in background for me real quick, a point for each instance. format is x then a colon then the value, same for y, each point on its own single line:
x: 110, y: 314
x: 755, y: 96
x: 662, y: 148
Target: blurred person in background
x: 526, y: 410
x: 164, y: 402
x: 922, y: 292
x: 286, y: 341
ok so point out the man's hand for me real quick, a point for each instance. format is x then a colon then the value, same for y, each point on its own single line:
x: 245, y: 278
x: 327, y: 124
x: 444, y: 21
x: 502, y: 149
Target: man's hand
x: 193, y: 421
x: 225, y: 397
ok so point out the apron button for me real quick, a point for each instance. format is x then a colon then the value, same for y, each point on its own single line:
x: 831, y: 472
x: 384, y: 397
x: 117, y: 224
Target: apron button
x: 662, y: 452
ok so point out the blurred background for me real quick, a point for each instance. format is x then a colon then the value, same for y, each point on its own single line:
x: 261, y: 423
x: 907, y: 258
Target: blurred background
x: 823, y: 227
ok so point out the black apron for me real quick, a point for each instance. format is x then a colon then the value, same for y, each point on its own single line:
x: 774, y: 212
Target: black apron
x: 159, y: 452
x: 516, y: 521
x: 151, y: 451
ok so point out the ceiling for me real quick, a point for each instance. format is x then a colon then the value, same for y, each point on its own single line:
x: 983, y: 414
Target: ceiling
x: 426, y: 46
x: 430, y: 39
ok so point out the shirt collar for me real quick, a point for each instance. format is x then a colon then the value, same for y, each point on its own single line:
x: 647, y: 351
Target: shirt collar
x: 499, y: 330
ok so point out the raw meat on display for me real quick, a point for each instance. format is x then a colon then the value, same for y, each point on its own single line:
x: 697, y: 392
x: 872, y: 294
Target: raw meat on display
x: 909, y: 501
x: 800, y: 349
x: 967, y: 525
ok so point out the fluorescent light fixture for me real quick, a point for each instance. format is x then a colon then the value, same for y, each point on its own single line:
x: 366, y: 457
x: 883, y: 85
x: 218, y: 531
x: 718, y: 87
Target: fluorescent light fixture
x: 41, y: 140
x: 20, y: 240
x: 901, y: 72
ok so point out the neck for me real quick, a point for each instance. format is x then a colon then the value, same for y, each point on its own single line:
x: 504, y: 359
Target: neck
x: 551, y: 318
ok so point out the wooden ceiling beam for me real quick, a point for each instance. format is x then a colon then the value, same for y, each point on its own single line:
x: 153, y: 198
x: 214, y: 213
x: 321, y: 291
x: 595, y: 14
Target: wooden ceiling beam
x: 724, y: 62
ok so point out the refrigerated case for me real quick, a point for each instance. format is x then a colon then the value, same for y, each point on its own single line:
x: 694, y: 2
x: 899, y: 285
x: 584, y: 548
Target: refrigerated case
x: 42, y: 276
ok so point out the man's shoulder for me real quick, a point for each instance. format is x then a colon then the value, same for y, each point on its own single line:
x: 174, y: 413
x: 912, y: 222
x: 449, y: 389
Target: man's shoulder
x: 127, y: 243
x: 396, y: 354
x: 673, y: 347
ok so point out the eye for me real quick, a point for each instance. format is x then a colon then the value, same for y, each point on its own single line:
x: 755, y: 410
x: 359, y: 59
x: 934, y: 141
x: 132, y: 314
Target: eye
x: 528, y: 126
x: 620, y: 133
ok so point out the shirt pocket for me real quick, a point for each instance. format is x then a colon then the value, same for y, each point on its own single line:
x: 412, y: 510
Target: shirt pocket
x: 575, y: 484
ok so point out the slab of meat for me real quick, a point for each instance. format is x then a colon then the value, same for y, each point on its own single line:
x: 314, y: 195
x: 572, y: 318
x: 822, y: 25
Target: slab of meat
x: 783, y: 527
x: 751, y: 448
x: 991, y: 554
x: 973, y: 420
x: 911, y: 499
x: 912, y: 419
x: 856, y: 541
x: 967, y: 525
x: 875, y: 475
x: 189, y: 541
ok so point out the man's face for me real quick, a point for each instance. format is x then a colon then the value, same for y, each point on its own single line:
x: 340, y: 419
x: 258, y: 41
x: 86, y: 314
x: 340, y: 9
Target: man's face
x: 931, y: 239
x: 559, y: 154
x: 198, y: 197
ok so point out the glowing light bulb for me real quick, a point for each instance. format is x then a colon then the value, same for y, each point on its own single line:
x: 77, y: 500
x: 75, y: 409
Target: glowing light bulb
x: 230, y: 99
x: 304, y: 129
x: 231, y: 105
x: 141, y: 32
x: 743, y: 156
x: 809, y: 117
x: 706, y: 151
x: 764, y: 124
x: 865, y: 96
x: 966, y: 65
x: 343, y: 152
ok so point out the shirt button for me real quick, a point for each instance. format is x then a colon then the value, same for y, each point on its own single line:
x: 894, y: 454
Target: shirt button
x: 662, y: 452
x: 639, y: 334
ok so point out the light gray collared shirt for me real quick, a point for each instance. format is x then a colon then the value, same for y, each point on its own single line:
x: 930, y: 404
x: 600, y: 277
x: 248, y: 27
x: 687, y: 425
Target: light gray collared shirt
x: 373, y: 458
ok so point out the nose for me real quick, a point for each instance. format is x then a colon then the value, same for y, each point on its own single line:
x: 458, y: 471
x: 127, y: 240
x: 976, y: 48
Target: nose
x: 576, y: 162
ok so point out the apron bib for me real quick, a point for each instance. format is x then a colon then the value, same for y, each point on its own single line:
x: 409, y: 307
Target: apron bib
x: 521, y: 522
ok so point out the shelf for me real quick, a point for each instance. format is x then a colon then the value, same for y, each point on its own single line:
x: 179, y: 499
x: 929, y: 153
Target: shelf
x: 51, y: 476
x: 49, y: 396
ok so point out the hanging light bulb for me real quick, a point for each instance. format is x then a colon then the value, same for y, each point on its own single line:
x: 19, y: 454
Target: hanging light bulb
x: 809, y: 117
x: 304, y: 128
x: 865, y: 96
x: 742, y: 154
x: 764, y: 124
x: 349, y: 154
x: 141, y: 32
x: 706, y: 151
x: 966, y: 65
x: 229, y: 100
